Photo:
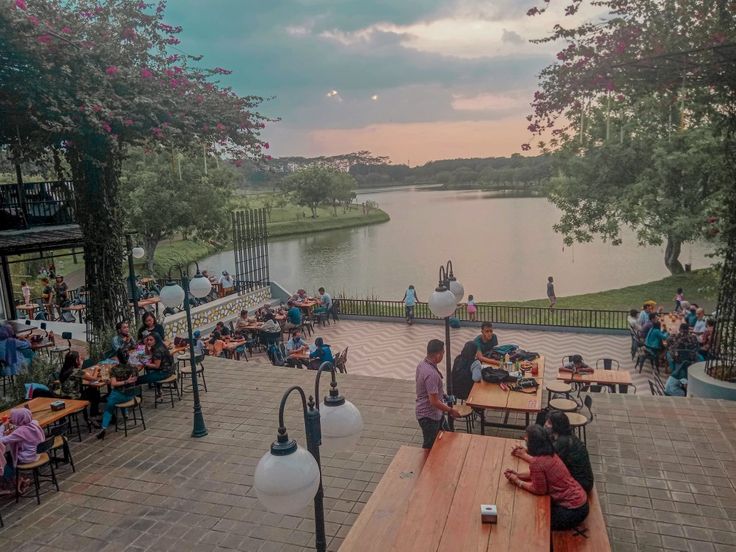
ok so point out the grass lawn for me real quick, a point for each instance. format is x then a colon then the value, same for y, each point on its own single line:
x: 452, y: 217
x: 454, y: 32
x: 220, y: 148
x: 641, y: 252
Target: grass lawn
x: 170, y: 253
x: 700, y: 287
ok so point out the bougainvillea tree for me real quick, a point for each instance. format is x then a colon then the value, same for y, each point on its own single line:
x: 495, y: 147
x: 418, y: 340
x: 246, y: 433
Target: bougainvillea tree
x: 85, y: 80
x: 650, y: 91
x: 633, y: 109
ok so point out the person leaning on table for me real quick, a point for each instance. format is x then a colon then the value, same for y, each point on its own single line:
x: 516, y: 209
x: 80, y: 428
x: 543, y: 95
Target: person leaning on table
x: 548, y: 475
x: 430, y: 392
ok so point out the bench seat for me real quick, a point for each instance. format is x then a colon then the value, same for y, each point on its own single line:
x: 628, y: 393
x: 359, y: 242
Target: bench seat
x: 597, y: 541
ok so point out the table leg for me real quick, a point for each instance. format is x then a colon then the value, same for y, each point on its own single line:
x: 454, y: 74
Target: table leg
x: 482, y: 421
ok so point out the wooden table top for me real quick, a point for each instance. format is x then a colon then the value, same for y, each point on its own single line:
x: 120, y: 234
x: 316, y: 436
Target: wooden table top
x: 74, y: 308
x: 490, y: 395
x: 442, y: 512
x: 234, y: 344
x: 149, y: 301
x: 307, y: 303
x: 42, y: 413
x: 28, y: 308
x: 621, y: 377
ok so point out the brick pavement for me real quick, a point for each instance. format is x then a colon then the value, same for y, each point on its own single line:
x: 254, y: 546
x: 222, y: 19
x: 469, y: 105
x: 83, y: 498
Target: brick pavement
x: 664, y: 469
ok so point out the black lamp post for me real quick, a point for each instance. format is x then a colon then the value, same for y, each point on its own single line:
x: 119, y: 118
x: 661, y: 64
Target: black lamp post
x: 172, y: 295
x: 443, y: 302
x: 133, y: 252
x: 287, y: 477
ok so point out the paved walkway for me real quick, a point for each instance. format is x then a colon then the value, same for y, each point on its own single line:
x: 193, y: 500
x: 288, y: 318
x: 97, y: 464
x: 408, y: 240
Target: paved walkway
x: 664, y: 469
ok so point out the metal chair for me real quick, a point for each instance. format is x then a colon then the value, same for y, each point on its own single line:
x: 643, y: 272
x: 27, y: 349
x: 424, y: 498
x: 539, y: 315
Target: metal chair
x: 341, y: 360
x: 579, y: 421
x: 172, y: 384
x: 656, y: 387
x: 61, y: 443
x: 467, y: 414
x: 59, y: 351
x: 124, y: 407
x: 35, y: 467
x: 184, y: 370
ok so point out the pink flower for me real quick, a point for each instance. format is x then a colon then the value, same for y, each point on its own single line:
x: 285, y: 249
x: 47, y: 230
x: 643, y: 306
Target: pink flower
x: 157, y: 132
x: 220, y: 127
x: 97, y: 108
x: 34, y: 20
x: 21, y: 4
x: 172, y: 40
x: 129, y: 33
x: 525, y: 147
x: 146, y: 73
x: 141, y: 5
x: 128, y: 122
x: 268, y: 157
x: 173, y: 83
x: 238, y: 162
x: 106, y: 126
x: 199, y: 98
x: 221, y: 71
x: 620, y: 97
x: 44, y: 39
x: 266, y: 145
x: 66, y: 30
x: 172, y: 59
x: 111, y: 70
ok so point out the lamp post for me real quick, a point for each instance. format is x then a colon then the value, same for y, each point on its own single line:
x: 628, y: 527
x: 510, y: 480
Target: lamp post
x: 287, y: 477
x: 443, y: 302
x: 137, y: 253
x: 172, y: 295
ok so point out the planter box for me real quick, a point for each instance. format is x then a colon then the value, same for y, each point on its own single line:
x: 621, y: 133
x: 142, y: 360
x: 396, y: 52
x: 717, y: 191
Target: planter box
x: 703, y: 386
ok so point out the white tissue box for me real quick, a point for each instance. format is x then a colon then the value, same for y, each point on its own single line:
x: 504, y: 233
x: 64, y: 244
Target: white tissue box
x: 488, y: 513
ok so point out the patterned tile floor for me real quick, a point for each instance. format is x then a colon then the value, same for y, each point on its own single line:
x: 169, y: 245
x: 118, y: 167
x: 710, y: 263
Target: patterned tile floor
x: 664, y: 467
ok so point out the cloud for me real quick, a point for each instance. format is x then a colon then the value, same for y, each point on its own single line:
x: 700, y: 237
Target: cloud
x: 512, y: 37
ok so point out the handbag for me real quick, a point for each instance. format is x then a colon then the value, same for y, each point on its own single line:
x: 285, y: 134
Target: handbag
x: 495, y: 375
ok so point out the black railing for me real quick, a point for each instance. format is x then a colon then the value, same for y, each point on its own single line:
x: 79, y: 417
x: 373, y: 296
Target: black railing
x: 527, y: 316
x: 37, y: 204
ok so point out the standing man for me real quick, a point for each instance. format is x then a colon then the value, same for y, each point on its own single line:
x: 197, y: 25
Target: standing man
x: 226, y: 284
x: 647, y: 308
x: 551, y: 292
x: 60, y: 293
x: 430, y: 392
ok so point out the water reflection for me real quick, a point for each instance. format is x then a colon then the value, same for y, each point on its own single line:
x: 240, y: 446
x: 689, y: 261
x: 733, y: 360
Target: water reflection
x: 502, y: 249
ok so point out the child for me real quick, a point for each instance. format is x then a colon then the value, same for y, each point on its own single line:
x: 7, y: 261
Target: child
x: 472, y: 309
x: 679, y: 298
x: 26, y: 290
x: 199, y: 347
x: 551, y: 292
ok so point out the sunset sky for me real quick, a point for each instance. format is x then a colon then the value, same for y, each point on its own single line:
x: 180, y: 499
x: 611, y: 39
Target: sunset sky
x: 415, y: 80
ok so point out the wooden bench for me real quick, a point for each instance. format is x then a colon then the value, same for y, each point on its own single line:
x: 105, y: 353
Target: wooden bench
x: 594, y: 528
x: 376, y: 527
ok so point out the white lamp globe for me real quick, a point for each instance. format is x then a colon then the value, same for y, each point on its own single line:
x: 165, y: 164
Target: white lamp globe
x: 341, y: 427
x: 287, y: 484
x: 172, y: 295
x: 457, y: 290
x: 442, y: 303
x: 199, y: 286
x: 137, y: 252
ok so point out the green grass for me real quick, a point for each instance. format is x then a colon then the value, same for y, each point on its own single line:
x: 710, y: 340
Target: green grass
x: 700, y: 286
x: 170, y: 253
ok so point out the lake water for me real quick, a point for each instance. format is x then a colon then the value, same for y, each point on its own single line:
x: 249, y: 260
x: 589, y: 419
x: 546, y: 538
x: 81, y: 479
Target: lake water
x: 502, y: 249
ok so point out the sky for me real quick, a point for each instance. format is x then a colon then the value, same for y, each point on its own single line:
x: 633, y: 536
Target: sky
x: 414, y: 80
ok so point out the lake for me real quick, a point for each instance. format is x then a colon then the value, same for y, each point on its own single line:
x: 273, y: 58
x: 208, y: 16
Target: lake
x: 502, y: 249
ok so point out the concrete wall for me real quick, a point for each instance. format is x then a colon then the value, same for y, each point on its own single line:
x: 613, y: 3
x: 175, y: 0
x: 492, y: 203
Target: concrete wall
x: 701, y: 385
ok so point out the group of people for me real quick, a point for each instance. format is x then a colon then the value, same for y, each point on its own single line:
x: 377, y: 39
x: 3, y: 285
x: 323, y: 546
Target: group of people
x: 559, y: 465
x: 692, y: 342
x: 411, y: 299
x: 55, y: 295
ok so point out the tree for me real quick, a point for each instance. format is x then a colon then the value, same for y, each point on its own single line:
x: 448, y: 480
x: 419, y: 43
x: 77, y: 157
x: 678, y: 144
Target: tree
x: 341, y: 189
x: 627, y: 107
x: 86, y: 80
x: 310, y: 187
x: 160, y: 199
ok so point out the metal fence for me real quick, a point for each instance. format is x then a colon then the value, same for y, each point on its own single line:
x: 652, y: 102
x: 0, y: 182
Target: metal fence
x: 250, y: 247
x: 528, y: 316
x: 37, y: 204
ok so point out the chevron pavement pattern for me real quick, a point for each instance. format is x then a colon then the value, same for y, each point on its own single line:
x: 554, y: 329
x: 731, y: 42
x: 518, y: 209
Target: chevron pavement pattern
x: 393, y: 350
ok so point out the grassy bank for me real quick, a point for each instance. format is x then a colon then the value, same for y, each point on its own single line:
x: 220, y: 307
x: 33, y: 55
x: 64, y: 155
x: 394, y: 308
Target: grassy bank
x: 700, y: 287
x: 172, y: 252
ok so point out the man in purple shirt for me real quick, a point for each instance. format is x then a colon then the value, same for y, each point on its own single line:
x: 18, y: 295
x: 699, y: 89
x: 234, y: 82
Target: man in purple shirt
x: 430, y: 392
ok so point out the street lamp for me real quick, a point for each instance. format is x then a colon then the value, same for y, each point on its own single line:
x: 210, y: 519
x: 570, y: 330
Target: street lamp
x: 137, y: 253
x: 442, y: 303
x: 172, y: 295
x: 287, y: 477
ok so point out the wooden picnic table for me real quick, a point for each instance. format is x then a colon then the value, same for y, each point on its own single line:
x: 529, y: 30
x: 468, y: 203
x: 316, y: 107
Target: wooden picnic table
x: 29, y: 309
x: 41, y: 409
x: 307, y: 304
x: 491, y: 396
x: 436, y: 506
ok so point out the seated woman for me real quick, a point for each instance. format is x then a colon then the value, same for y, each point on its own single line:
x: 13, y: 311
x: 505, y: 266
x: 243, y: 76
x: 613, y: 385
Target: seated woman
x: 466, y: 370
x: 123, y: 380
x: 72, y: 379
x: 21, y: 442
x: 322, y: 353
x: 215, y: 344
x: 150, y: 326
x: 706, y: 340
x: 656, y: 340
x: 161, y: 364
x: 571, y: 450
x: 548, y: 475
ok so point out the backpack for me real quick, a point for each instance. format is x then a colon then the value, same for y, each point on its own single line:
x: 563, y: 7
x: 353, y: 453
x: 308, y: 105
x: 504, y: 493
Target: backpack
x: 454, y: 322
x: 521, y: 354
x: 495, y: 375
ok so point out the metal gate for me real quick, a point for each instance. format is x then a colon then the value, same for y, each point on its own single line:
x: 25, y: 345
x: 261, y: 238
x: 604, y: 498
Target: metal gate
x: 250, y: 246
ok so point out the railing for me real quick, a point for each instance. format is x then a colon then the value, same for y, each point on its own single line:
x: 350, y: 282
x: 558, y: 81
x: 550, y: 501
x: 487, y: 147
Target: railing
x: 528, y: 316
x: 37, y: 204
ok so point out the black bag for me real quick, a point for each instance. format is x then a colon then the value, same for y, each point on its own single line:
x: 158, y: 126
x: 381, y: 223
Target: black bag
x: 521, y: 354
x: 495, y: 375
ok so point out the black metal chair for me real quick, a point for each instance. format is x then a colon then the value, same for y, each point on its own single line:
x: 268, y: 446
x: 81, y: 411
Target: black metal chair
x: 580, y: 421
x: 130, y: 406
x: 184, y: 371
x: 172, y: 384
x: 61, y: 443
x: 656, y: 387
x: 42, y: 461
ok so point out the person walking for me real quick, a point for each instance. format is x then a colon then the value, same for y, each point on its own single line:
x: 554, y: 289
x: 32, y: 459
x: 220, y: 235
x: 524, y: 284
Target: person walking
x: 430, y: 391
x: 551, y: 292
x: 410, y: 300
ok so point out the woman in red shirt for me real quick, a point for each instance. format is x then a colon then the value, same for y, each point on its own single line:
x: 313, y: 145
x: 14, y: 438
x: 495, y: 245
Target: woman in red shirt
x: 548, y: 475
